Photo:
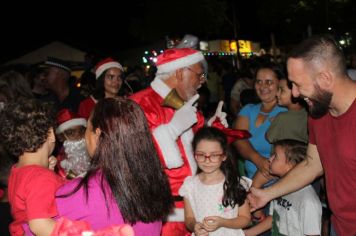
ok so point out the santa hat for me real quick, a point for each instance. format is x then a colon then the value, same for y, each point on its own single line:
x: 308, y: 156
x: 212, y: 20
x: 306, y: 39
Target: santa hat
x: 176, y: 58
x: 106, y: 64
x: 67, y: 119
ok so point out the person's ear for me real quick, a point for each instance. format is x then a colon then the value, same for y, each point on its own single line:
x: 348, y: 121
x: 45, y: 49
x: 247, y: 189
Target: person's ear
x: 325, y: 80
x: 179, y: 75
x: 97, y: 133
x: 51, y: 136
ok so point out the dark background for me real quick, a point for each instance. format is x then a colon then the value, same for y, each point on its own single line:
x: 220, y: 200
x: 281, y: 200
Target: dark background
x: 101, y: 28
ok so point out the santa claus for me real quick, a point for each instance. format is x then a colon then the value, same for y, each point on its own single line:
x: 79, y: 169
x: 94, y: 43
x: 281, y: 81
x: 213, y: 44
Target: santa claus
x: 181, y: 71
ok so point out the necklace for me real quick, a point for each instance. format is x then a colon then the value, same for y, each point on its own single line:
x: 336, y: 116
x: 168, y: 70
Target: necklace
x: 264, y: 113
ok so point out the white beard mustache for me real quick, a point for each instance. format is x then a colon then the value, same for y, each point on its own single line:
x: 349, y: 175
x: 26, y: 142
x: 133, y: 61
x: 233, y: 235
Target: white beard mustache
x: 77, y: 160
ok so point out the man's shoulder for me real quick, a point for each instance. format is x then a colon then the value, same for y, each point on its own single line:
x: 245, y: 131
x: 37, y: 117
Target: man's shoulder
x: 146, y: 97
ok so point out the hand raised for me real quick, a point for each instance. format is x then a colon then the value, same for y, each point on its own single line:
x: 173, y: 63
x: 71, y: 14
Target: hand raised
x: 219, y: 114
x: 185, y: 117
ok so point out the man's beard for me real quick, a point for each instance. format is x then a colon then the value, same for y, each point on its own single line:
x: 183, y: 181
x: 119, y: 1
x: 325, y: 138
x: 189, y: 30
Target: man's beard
x: 77, y: 161
x: 321, y: 102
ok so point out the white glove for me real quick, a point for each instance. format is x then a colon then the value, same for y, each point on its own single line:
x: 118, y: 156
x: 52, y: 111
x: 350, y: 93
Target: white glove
x: 184, y: 117
x: 219, y: 114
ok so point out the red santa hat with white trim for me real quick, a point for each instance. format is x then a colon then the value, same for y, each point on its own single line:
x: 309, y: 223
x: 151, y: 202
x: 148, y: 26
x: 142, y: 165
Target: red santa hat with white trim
x: 67, y: 119
x: 176, y: 58
x: 105, y: 64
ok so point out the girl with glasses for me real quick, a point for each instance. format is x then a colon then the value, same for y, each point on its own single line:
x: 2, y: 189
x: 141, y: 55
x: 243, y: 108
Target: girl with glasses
x: 215, y: 199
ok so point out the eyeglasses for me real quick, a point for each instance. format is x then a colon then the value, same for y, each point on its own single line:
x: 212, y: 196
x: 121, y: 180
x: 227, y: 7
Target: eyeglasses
x: 213, y: 157
x: 201, y: 76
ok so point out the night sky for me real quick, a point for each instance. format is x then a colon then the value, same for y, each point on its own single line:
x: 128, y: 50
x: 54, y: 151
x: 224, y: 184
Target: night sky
x: 102, y: 28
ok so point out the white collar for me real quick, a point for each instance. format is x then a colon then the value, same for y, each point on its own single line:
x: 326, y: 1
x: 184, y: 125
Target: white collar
x: 160, y: 87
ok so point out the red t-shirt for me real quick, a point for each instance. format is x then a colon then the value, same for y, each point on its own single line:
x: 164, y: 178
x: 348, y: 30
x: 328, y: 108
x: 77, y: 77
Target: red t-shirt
x: 335, y: 138
x: 32, y: 195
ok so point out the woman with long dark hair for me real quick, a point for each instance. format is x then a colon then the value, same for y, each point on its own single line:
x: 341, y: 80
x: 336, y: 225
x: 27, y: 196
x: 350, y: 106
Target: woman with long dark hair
x: 125, y: 183
x: 109, y: 79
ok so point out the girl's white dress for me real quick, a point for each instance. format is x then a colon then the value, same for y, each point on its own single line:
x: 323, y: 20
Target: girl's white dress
x: 206, y: 200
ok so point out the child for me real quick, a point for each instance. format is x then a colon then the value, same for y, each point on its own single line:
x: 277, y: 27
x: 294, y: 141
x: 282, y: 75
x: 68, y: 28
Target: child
x: 73, y: 157
x: 27, y: 132
x: 291, y: 124
x: 297, y: 213
x: 214, y: 199
x: 6, y: 162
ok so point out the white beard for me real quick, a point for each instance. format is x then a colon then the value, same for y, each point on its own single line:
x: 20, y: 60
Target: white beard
x: 77, y: 160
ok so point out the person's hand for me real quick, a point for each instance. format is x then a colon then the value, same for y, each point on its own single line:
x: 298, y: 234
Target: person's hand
x: 219, y: 114
x: 211, y: 223
x: 199, y: 230
x: 257, y: 198
x: 184, y: 117
x: 263, y: 166
x: 52, y: 161
x: 258, y: 216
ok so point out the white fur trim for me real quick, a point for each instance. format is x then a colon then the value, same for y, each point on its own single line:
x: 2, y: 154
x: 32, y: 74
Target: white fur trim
x: 106, y: 66
x: 160, y: 87
x: 169, y: 148
x: 180, y: 63
x: 187, y: 138
x: 71, y: 123
x: 176, y: 216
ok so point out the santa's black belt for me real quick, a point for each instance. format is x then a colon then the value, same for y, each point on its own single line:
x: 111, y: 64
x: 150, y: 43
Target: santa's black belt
x: 177, y: 198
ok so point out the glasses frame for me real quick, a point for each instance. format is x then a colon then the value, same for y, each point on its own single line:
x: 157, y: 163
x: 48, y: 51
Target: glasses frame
x: 201, y: 76
x: 213, y: 157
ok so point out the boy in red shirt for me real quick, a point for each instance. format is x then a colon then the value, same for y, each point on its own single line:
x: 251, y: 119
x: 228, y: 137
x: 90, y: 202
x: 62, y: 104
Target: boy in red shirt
x: 27, y: 132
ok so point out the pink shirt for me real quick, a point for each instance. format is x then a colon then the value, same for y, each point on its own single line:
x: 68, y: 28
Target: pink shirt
x: 94, y: 209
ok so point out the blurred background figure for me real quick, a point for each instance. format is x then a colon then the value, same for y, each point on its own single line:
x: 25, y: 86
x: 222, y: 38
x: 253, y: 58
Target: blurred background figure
x: 109, y: 79
x: 57, y: 80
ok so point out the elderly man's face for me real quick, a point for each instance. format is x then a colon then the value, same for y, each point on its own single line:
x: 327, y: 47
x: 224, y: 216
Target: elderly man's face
x: 192, y: 77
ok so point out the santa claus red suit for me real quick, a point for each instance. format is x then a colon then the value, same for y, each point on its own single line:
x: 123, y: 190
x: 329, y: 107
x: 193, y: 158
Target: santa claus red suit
x: 174, y: 148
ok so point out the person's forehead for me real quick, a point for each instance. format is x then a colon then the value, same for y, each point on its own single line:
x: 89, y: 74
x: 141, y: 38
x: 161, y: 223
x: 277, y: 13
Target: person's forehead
x: 197, y: 66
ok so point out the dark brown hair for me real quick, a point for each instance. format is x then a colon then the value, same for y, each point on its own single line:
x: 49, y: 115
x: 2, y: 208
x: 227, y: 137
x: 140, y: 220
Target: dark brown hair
x: 321, y: 48
x: 25, y: 126
x: 295, y: 151
x: 126, y: 156
x: 234, y: 192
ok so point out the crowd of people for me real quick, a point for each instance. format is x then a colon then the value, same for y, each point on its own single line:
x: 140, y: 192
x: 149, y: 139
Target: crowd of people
x: 133, y: 157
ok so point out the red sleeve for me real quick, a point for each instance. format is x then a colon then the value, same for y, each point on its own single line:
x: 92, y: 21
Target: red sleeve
x: 40, y: 201
x: 311, y: 130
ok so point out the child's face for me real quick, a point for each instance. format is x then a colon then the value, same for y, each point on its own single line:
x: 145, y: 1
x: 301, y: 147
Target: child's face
x: 279, y: 165
x: 74, y: 133
x: 209, y: 156
x: 284, y: 94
